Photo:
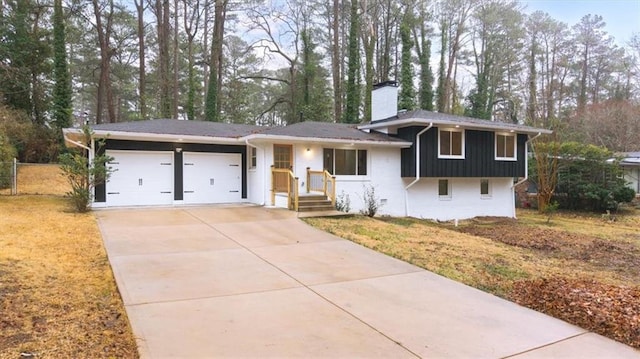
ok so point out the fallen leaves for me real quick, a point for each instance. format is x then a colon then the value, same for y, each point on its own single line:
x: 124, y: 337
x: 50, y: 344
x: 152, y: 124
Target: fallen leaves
x: 609, y: 310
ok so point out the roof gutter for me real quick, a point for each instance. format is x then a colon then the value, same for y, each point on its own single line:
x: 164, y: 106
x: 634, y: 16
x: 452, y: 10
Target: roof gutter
x: 73, y: 142
x: 406, y: 189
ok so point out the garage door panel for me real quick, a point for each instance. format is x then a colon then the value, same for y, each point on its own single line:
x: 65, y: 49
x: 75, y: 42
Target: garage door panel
x: 212, y: 177
x: 140, y: 178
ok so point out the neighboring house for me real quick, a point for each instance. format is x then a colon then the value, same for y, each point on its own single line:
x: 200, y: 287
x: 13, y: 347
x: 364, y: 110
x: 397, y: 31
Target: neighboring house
x: 630, y: 163
x: 462, y: 167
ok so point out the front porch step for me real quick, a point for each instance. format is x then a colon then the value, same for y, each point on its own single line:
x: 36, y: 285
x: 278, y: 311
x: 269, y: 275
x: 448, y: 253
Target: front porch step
x: 316, y: 208
x: 314, y: 203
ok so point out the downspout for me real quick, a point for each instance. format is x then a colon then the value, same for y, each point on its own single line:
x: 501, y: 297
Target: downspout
x: 263, y: 168
x: 526, y: 171
x: 406, y: 189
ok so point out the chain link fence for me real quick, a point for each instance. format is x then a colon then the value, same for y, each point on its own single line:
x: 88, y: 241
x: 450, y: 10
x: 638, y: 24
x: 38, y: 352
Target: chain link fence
x: 31, y: 178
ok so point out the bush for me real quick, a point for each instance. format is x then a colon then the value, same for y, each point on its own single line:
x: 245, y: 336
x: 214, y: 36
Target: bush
x: 588, y: 178
x: 343, y: 202
x: 624, y: 194
x: 84, y: 175
x: 7, y: 153
x: 371, y: 202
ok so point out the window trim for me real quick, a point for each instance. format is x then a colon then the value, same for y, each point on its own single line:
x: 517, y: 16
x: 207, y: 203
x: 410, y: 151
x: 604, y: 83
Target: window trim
x: 515, y: 146
x: 357, y: 163
x: 489, y: 192
x: 448, y: 196
x: 253, y: 155
x: 452, y: 129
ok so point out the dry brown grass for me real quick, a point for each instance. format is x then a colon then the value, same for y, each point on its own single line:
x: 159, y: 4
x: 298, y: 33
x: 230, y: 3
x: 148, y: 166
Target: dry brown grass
x: 40, y: 179
x: 58, y: 298
x: 498, y: 256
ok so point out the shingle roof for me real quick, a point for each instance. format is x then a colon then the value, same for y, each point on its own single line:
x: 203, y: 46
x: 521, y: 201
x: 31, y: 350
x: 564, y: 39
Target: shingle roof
x: 328, y: 130
x: 320, y: 130
x: 447, y: 119
x: 181, y: 128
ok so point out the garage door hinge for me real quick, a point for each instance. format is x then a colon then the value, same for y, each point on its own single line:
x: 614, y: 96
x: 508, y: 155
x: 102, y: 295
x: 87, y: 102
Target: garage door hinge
x: 169, y: 192
x: 113, y: 192
x: 165, y: 163
x: 188, y: 164
x: 189, y: 191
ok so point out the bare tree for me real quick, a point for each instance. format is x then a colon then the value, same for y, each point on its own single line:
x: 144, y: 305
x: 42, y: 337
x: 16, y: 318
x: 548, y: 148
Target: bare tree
x: 104, y: 22
x: 142, y: 81
x: 192, y: 14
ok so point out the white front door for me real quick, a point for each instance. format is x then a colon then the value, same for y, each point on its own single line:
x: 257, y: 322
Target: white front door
x: 212, y: 177
x: 140, y: 178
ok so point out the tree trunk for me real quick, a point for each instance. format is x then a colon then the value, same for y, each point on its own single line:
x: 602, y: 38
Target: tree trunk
x: 336, y: 62
x: 104, y: 83
x: 163, y: 16
x: 174, y: 88
x: 142, y: 82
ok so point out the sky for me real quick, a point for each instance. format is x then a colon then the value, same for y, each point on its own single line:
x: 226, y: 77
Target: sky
x: 621, y: 16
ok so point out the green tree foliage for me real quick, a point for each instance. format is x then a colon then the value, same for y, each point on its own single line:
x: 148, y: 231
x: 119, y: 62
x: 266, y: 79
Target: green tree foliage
x: 352, y: 110
x: 62, y: 88
x: 314, y: 103
x: 426, y: 77
x: 588, y: 177
x: 24, y: 54
x: 83, y: 175
x: 407, y: 100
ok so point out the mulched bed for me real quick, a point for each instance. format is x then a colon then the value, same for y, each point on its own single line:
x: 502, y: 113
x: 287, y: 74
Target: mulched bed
x: 612, y: 311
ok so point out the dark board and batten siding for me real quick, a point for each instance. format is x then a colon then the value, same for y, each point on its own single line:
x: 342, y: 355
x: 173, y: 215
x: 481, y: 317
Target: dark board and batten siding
x: 100, y: 190
x: 479, y: 158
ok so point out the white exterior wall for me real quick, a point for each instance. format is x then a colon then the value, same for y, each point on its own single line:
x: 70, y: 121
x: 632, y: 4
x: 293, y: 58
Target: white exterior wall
x: 465, y: 200
x: 256, y: 177
x: 632, y: 175
x: 383, y: 173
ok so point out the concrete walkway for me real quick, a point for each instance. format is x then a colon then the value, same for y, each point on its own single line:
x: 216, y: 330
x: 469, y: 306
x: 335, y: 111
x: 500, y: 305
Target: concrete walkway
x: 244, y: 281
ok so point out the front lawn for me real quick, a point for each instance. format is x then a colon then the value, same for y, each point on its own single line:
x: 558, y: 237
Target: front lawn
x: 582, y: 269
x: 58, y: 298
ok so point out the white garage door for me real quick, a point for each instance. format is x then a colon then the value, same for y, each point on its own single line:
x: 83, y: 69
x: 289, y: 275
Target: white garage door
x: 141, y: 178
x: 212, y: 177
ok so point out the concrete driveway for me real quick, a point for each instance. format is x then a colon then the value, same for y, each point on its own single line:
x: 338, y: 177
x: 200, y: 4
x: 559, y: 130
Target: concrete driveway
x: 245, y: 281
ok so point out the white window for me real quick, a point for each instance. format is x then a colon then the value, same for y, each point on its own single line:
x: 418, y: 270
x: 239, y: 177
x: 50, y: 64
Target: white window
x: 451, y: 143
x: 506, y: 147
x: 341, y: 162
x: 253, y: 157
x: 485, y: 188
x: 444, y: 189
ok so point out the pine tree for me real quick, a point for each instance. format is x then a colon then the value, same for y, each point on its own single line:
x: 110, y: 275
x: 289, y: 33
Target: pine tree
x: 62, y: 88
x: 352, y: 111
x: 407, y: 92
